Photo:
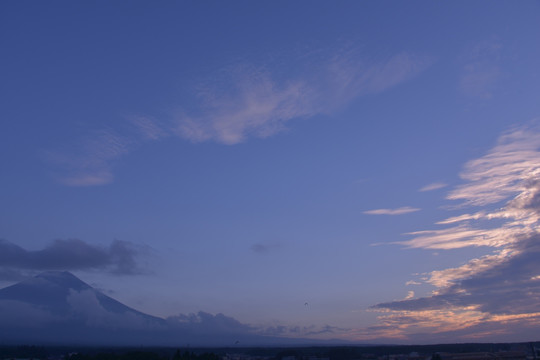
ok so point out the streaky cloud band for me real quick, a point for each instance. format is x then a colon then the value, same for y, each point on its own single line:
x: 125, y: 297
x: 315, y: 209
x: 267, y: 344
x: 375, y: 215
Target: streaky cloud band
x: 398, y: 211
x: 245, y: 101
x: 495, y: 292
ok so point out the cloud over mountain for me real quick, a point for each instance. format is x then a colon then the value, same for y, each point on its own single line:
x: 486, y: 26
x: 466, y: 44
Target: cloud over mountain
x: 56, y: 307
x: 120, y: 257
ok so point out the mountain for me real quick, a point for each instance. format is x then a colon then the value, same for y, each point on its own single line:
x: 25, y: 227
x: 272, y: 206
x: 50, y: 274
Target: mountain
x: 61, y: 293
x: 57, y: 307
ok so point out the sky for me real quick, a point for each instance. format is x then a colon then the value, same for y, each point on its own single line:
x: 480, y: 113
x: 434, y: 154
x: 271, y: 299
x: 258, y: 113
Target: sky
x: 355, y: 170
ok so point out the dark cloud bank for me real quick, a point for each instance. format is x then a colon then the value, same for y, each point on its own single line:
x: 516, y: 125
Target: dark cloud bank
x: 120, y: 257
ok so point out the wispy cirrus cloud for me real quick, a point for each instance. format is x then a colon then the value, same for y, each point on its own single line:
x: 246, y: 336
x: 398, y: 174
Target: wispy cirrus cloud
x: 437, y: 326
x: 238, y: 103
x: 486, y: 294
x: 91, y: 161
x: 148, y: 129
x: 433, y: 186
x: 481, y: 70
x: 507, y: 169
x: 397, y: 211
x: 257, y: 104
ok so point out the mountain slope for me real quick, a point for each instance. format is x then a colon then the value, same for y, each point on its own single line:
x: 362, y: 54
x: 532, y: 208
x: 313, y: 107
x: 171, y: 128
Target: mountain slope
x: 57, y: 307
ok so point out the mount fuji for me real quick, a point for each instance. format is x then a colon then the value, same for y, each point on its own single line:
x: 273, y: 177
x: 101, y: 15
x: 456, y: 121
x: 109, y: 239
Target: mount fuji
x: 58, y: 308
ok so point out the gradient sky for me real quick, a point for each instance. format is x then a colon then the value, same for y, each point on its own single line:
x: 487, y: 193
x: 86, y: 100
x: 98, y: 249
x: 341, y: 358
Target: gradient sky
x: 378, y: 161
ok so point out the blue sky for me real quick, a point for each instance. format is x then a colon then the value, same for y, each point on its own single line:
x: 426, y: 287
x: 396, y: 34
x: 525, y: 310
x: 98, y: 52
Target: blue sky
x: 373, y: 159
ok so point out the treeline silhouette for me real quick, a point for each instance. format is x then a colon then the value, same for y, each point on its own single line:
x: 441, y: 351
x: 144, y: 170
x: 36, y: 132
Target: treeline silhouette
x: 143, y: 355
x: 365, y: 352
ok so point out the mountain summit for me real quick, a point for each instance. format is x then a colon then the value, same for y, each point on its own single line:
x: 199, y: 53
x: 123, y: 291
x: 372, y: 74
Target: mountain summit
x: 58, y: 307
x: 49, y: 290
